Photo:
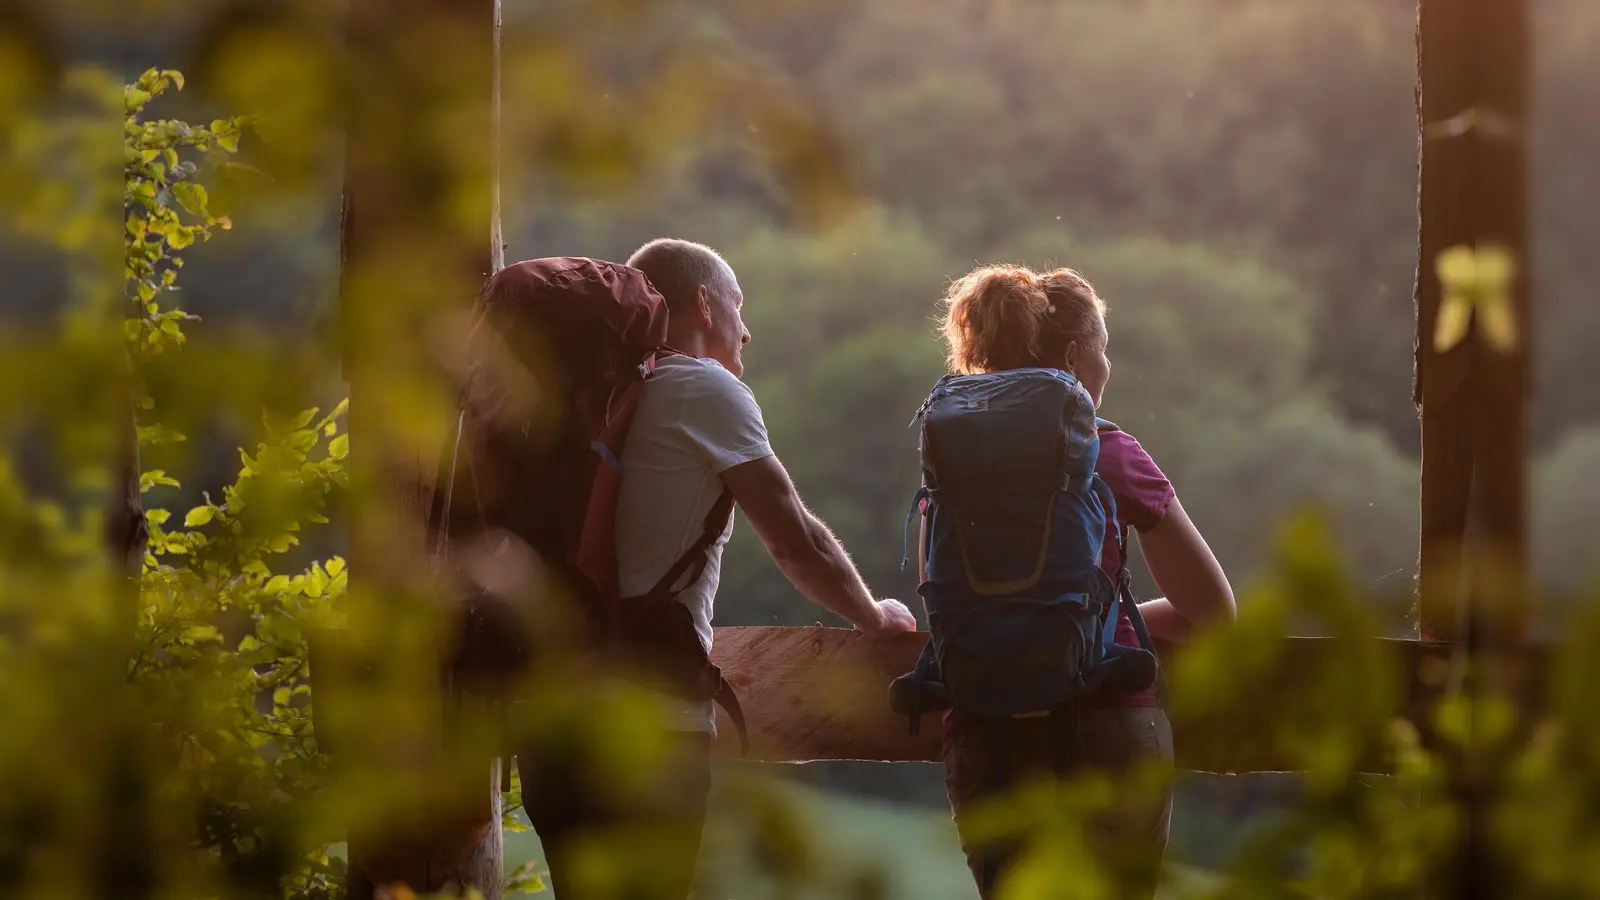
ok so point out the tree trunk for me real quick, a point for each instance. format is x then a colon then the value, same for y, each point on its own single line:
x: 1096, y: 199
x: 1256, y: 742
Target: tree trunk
x: 412, y: 66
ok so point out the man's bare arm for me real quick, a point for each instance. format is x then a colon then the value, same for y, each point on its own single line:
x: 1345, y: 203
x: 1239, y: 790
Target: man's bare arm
x: 806, y: 551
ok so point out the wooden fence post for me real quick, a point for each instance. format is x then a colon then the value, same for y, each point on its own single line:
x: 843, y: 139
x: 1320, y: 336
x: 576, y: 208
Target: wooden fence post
x: 1473, y: 63
x: 1472, y: 101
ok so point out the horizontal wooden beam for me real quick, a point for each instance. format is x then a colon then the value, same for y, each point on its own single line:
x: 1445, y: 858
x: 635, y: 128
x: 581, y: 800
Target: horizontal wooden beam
x: 814, y: 694
x: 817, y: 693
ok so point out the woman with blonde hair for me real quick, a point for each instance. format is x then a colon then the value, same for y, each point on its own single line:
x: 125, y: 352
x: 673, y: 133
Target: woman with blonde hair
x: 1034, y: 331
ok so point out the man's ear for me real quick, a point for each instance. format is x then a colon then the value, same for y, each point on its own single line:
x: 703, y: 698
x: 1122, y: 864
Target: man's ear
x: 702, y: 299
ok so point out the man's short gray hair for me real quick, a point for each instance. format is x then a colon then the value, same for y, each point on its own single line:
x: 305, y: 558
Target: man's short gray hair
x: 678, y: 268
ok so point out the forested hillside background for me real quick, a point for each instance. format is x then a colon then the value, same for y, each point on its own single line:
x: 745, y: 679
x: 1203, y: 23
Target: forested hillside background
x: 1237, y: 177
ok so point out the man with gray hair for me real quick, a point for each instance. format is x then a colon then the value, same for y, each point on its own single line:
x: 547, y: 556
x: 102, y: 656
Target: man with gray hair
x: 696, y: 437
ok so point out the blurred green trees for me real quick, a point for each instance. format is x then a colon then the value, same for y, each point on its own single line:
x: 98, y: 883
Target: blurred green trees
x: 1237, y: 179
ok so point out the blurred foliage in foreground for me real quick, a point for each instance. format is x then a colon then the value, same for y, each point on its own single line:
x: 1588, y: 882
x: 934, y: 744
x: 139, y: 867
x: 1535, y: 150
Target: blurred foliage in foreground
x: 160, y: 739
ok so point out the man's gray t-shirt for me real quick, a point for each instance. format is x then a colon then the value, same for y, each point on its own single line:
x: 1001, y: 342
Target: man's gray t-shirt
x: 694, y: 421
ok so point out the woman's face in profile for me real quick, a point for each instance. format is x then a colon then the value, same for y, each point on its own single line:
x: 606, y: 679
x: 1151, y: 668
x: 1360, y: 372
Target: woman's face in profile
x: 1087, y: 361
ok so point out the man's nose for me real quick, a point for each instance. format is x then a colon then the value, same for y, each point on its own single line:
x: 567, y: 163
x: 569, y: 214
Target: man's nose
x: 745, y: 338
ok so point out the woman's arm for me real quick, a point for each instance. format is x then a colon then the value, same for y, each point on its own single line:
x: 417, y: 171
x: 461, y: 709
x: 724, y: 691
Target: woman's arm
x: 1196, y: 589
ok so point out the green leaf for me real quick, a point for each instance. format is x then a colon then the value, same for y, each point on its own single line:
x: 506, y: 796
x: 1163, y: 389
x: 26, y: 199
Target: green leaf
x: 155, y: 478
x: 1456, y: 266
x: 335, y: 565
x: 159, y: 435
x: 200, y: 633
x: 1450, y: 328
x: 183, y: 191
x: 198, y: 516
x: 339, y: 447
x: 316, y: 582
x: 278, y: 584
x: 338, y: 411
x: 1475, y: 280
x: 1498, y: 326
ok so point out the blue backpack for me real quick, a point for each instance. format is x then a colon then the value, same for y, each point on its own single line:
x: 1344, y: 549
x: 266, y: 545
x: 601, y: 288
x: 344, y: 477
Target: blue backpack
x: 1022, y: 617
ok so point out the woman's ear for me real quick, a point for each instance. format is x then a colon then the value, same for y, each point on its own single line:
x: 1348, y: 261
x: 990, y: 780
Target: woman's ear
x: 1070, y: 360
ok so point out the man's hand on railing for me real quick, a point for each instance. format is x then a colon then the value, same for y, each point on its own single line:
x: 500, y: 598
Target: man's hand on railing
x: 893, y: 619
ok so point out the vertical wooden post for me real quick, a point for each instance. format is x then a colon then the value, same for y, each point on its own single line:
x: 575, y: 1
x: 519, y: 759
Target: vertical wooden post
x: 1473, y: 65
x: 1472, y: 99
x: 421, y: 125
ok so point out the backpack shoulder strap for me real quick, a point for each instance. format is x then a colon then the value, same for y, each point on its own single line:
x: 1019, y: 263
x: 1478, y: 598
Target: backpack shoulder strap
x: 1108, y: 502
x: 693, y: 563
x: 698, y: 555
x: 1124, y: 600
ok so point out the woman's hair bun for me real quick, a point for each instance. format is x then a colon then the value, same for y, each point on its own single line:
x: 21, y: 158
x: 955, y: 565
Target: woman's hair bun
x: 1006, y: 316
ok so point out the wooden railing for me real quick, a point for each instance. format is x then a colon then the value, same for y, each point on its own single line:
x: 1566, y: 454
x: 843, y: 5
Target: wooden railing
x: 817, y: 693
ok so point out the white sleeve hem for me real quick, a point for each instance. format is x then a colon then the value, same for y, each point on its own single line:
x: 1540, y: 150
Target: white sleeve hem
x: 725, y: 461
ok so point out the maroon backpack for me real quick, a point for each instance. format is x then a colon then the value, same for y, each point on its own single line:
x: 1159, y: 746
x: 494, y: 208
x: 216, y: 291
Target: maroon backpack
x: 560, y: 351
